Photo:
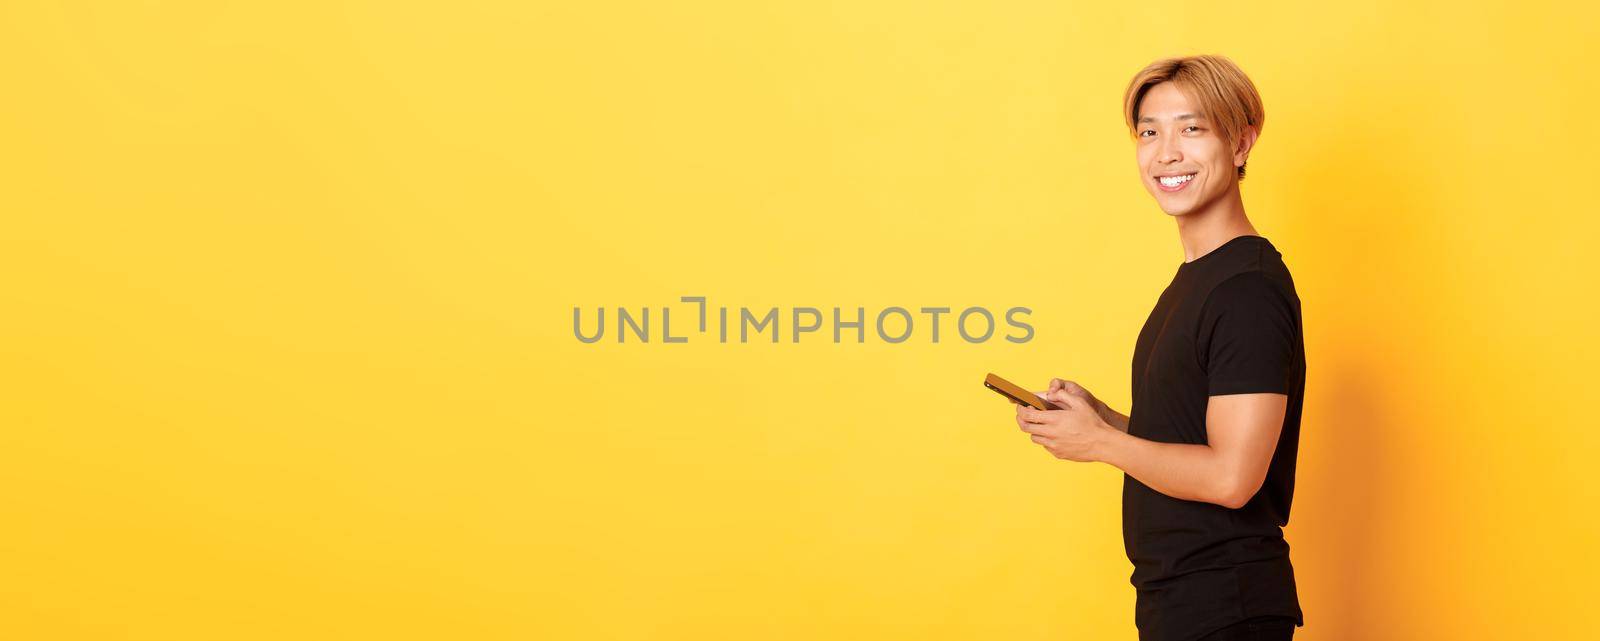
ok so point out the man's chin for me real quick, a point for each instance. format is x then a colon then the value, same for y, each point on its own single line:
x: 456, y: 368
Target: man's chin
x: 1175, y: 210
x: 1179, y: 207
x: 1175, y: 204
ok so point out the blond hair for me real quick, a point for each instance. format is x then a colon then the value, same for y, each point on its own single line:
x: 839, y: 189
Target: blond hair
x: 1225, y: 94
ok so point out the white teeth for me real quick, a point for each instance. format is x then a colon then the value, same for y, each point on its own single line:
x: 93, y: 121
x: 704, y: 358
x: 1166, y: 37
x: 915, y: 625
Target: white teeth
x: 1174, y: 181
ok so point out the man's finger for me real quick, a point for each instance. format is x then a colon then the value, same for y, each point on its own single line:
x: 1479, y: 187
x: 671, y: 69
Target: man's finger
x: 1062, y: 398
x: 1032, y: 415
x: 1035, y: 429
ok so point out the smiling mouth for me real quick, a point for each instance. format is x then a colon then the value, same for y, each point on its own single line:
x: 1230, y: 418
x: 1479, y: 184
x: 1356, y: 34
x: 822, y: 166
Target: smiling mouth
x: 1174, y: 183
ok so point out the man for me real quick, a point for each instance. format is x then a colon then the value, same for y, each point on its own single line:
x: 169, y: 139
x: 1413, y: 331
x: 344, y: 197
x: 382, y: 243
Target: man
x: 1208, y: 448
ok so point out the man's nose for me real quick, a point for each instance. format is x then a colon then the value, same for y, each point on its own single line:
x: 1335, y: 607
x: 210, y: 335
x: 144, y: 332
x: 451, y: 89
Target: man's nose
x: 1168, y: 152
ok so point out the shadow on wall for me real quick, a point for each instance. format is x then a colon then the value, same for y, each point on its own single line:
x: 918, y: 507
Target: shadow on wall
x: 1352, y: 472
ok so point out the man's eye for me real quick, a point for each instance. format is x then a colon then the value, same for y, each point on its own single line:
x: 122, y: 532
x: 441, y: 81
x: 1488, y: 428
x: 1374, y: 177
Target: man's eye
x: 1147, y: 131
x: 1194, y: 127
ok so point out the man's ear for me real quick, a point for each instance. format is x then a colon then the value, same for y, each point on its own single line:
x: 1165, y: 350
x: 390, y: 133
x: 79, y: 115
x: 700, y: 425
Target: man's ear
x: 1247, y: 141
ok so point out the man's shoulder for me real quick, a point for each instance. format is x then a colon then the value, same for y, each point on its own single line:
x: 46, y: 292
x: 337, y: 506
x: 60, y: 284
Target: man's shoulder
x: 1257, y: 270
x: 1253, y: 286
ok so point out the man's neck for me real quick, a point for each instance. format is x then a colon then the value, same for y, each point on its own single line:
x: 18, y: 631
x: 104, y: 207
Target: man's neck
x: 1205, y: 230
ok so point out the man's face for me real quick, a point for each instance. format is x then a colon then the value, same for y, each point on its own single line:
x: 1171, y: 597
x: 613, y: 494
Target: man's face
x: 1177, y: 142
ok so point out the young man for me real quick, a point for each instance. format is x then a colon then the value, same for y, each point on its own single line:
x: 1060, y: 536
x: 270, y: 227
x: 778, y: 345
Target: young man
x: 1208, y: 448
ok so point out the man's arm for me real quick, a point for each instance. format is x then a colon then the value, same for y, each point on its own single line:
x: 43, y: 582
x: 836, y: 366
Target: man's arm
x: 1112, y: 417
x: 1241, y: 433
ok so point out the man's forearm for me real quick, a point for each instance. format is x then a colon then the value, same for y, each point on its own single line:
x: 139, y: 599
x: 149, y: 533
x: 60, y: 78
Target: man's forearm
x: 1111, y: 416
x: 1179, y: 470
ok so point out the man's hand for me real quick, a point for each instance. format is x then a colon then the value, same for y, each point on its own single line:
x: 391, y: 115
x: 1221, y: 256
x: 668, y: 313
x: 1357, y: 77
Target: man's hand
x: 1072, y: 433
x: 1113, y: 418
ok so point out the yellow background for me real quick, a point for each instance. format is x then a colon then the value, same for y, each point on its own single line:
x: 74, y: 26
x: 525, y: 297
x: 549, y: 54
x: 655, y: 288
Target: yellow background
x: 288, y: 296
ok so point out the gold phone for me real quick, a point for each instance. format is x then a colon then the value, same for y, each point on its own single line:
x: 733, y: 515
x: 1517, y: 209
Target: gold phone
x: 1017, y: 394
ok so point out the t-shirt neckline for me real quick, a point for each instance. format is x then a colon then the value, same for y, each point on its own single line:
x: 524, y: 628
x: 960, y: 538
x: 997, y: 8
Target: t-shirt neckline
x: 1219, y: 248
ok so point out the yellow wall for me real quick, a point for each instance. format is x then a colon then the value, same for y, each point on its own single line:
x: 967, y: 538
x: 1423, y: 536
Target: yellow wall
x: 288, y: 303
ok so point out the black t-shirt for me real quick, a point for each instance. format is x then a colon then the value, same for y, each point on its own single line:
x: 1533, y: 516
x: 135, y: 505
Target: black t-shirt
x: 1229, y: 323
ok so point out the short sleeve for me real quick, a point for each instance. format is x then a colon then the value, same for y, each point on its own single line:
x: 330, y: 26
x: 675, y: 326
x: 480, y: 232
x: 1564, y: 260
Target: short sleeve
x: 1254, y: 336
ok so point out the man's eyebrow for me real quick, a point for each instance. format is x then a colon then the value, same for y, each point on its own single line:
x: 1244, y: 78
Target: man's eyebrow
x: 1146, y: 119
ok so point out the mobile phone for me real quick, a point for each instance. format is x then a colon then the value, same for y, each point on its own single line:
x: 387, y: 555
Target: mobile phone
x: 1017, y: 394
